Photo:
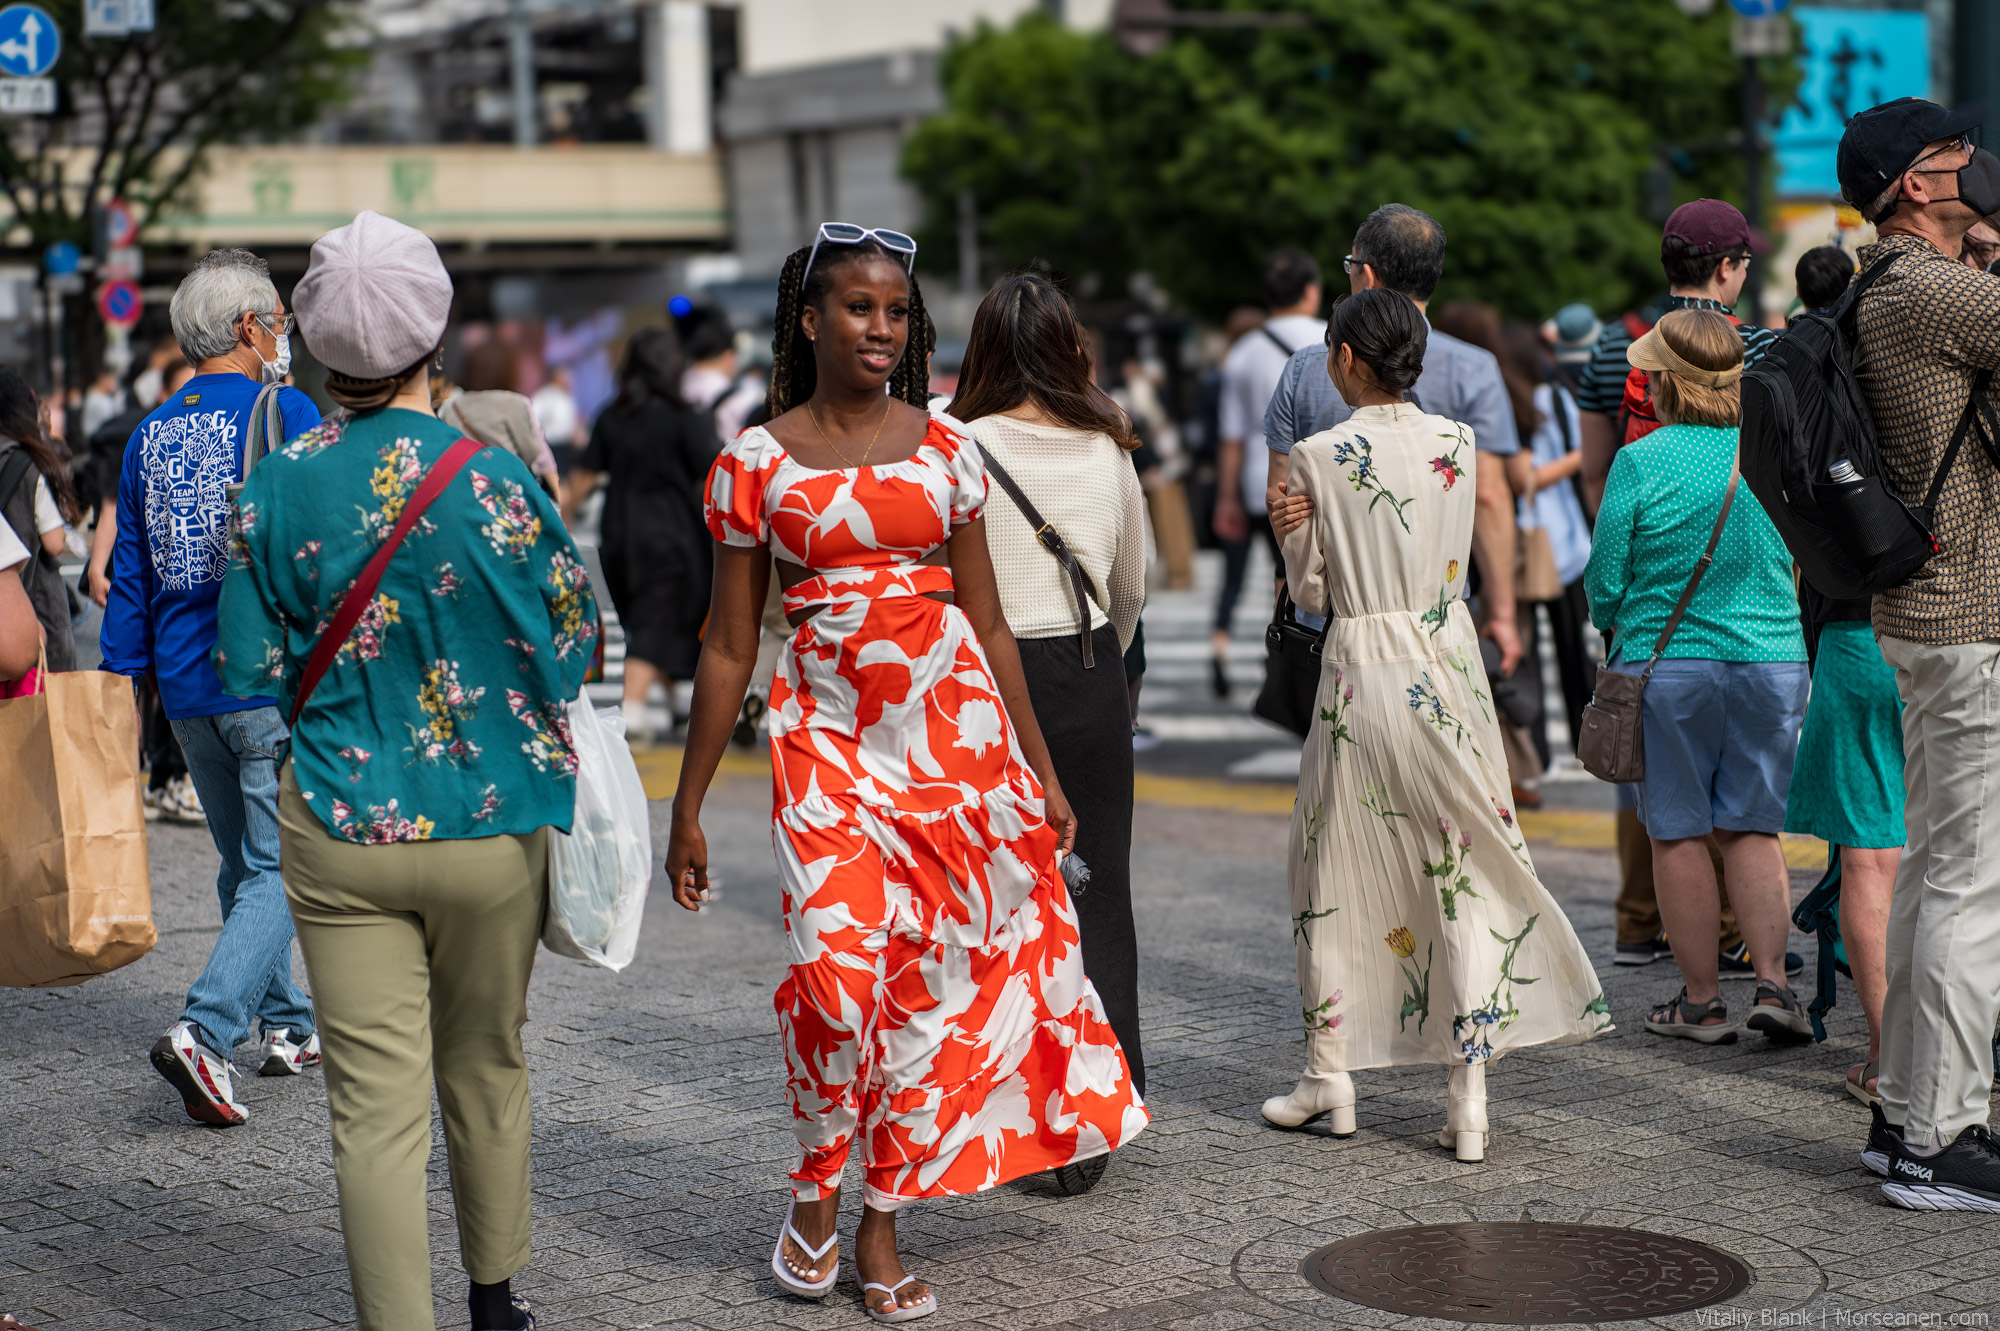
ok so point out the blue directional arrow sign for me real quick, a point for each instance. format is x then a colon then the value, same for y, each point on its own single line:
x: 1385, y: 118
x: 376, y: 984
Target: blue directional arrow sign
x: 29, y: 41
x: 1760, y: 8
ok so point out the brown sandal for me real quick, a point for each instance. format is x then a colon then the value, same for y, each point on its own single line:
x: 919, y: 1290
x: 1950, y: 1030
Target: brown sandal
x: 1859, y: 1087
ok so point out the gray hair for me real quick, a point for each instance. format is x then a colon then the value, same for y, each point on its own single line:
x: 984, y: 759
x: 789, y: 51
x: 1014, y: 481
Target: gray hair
x: 213, y: 298
x: 1877, y: 209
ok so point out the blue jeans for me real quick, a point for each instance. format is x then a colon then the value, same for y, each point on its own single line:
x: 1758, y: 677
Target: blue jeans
x: 233, y: 758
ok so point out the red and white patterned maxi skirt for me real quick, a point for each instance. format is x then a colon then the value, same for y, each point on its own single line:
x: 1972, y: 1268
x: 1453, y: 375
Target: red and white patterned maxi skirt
x: 936, y: 1004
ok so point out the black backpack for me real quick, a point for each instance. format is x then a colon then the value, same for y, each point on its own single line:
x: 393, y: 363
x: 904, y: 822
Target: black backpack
x: 1803, y: 417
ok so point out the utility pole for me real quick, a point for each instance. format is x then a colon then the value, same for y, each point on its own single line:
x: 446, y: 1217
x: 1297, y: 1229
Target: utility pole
x: 521, y: 55
x: 1753, y: 177
x: 968, y: 243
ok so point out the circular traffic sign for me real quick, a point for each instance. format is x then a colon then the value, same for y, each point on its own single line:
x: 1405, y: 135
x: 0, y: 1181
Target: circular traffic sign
x: 29, y: 41
x: 120, y: 227
x: 61, y: 258
x: 1760, y: 8
x: 119, y: 303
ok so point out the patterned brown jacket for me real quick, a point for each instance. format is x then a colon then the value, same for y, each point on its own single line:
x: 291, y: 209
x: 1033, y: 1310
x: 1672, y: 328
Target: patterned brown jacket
x: 1927, y: 326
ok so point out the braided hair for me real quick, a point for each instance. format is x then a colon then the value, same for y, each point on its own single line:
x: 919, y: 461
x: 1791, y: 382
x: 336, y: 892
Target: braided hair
x: 793, y: 373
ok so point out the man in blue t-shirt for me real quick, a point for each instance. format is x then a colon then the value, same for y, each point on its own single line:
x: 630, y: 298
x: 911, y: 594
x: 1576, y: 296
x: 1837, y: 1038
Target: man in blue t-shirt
x: 171, y: 554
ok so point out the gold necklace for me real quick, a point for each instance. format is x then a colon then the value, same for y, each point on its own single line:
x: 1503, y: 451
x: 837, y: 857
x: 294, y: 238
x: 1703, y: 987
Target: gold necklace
x: 851, y: 466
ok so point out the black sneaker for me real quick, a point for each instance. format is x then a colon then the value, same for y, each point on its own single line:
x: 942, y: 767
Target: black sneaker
x: 1218, y: 679
x: 1642, y: 954
x: 1734, y: 963
x: 1964, y: 1176
x: 524, y: 1318
x: 1883, y: 1139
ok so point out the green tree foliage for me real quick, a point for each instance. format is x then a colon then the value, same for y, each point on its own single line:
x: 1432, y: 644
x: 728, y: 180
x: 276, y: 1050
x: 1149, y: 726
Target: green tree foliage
x: 1529, y: 128
x: 137, y: 113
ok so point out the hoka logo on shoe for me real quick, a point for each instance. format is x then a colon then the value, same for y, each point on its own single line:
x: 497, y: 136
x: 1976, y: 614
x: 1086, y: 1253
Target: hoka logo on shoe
x: 1914, y: 1170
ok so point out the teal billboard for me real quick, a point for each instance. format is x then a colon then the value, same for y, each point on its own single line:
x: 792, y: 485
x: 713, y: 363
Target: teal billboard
x: 1852, y: 59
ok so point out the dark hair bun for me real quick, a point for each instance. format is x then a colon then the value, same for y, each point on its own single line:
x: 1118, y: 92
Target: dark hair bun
x: 1399, y: 368
x: 1387, y: 333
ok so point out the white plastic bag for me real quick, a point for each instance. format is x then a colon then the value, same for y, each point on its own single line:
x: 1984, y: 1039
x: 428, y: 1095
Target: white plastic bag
x: 599, y: 872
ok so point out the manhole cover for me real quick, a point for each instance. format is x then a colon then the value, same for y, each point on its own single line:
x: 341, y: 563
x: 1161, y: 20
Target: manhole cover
x: 1525, y: 1274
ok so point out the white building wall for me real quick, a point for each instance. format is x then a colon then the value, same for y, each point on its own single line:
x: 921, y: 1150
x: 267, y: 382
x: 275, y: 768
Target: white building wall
x: 868, y: 184
x: 786, y: 34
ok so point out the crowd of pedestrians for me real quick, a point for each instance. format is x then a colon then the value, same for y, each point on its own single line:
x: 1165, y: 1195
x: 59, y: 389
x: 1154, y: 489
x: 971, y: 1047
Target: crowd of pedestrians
x: 353, y: 666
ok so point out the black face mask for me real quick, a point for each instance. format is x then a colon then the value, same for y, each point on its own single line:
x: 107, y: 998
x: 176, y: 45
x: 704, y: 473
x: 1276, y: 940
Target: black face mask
x: 1979, y: 183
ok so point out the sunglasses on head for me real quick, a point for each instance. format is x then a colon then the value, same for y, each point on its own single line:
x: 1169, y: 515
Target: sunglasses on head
x: 847, y: 233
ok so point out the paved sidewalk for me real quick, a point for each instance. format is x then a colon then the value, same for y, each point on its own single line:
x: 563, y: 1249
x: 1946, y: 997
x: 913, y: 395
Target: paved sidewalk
x: 661, y: 1140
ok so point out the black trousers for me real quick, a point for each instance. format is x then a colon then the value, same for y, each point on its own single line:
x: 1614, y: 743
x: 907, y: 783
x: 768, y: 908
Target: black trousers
x: 1236, y: 565
x: 1567, y: 616
x: 157, y: 744
x: 1086, y: 720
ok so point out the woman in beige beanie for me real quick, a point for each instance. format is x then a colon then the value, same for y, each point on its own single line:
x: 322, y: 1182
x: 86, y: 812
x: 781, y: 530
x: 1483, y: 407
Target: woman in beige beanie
x: 425, y: 767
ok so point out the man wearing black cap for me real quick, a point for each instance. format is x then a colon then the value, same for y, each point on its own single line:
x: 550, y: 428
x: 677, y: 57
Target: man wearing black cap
x: 1929, y: 345
x: 1705, y: 249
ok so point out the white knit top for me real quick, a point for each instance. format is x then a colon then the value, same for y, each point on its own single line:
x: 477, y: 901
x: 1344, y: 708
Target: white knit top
x: 1084, y: 486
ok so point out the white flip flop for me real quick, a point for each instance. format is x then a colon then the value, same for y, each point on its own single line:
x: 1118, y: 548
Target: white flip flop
x: 923, y: 1308
x: 805, y: 1289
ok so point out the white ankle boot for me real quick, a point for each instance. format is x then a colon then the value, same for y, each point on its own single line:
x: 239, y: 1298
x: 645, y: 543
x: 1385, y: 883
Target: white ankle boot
x: 1465, y: 1129
x: 1318, y: 1094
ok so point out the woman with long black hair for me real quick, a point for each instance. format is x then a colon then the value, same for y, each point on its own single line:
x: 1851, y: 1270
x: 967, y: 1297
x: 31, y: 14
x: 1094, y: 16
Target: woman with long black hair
x: 1026, y: 393
x: 935, y: 1007
x: 654, y: 449
x: 37, y: 499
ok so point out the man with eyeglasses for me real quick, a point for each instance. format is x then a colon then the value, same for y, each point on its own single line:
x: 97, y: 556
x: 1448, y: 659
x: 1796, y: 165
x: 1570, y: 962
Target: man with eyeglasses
x: 1705, y: 250
x: 1928, y: 354
x: 1402, y: 248
x: 171, y: 553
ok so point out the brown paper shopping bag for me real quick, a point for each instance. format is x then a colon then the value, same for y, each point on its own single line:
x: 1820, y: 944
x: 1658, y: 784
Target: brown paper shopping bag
x: 75, y: 898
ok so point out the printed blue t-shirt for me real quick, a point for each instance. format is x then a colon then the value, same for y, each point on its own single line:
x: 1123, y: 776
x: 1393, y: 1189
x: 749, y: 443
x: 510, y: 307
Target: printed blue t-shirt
x: 173, y: 538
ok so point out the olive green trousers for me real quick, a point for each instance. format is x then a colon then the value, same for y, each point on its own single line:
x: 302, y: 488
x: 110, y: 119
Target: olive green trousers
x: 419, y: 955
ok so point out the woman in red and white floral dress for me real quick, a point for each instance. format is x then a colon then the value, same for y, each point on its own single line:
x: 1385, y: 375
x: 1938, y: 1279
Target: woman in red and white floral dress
x: 936, y: 1006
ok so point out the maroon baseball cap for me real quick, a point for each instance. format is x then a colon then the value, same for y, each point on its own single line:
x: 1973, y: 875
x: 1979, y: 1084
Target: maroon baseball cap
x: 1704, y: 227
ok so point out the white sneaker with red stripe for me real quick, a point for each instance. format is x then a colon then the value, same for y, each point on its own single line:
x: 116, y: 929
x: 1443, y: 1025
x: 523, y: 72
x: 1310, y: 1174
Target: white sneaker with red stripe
x: 204, y: 1078
x: 278, y: 1055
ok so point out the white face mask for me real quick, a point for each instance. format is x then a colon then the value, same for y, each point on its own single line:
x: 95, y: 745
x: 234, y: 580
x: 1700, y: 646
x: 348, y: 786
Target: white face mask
x: 276, y: 370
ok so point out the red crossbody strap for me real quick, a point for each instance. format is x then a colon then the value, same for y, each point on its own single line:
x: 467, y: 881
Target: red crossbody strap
x: 441, y: 474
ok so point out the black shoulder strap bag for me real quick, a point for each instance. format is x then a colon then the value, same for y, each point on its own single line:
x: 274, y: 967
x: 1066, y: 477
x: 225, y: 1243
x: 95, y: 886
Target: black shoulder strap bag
x: 1080, y: 582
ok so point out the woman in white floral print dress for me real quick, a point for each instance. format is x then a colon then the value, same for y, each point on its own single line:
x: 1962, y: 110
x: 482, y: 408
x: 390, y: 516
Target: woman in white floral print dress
x: 1423, y: 935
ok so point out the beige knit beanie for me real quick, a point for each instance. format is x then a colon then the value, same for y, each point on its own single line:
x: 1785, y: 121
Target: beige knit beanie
x: 374, y: 298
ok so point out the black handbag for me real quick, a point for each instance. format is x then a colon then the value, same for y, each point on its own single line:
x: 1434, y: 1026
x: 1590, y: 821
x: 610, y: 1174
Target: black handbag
x: 1292, y: 659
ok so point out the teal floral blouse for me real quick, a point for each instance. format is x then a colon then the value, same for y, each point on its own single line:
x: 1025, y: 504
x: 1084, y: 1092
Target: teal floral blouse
x: 443, y: 716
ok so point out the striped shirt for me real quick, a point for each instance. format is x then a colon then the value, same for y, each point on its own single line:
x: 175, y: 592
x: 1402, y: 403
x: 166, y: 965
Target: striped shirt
x: 1600, y: 386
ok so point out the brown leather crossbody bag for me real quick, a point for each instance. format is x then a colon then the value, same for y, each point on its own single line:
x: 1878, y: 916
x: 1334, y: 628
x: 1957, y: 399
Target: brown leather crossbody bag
x: 1612, y: 742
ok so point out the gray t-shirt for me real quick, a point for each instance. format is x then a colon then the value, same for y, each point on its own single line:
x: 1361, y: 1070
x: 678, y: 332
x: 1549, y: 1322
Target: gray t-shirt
x: 1460, y: 382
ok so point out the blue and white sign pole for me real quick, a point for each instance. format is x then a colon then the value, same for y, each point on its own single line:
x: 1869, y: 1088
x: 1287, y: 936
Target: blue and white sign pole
x: 1755, y: 14
x: 29, y: 45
